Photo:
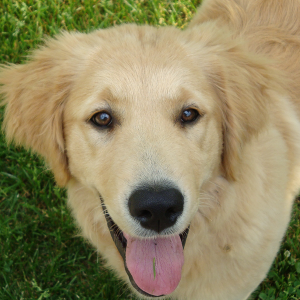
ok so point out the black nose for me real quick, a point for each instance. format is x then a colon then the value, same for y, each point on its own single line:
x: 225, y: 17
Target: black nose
x: 156, y: 208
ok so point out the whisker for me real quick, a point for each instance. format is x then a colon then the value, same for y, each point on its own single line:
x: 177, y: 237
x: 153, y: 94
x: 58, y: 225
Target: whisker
x: 219, y: 186
x: 209, y: 196
x: 205, y: 216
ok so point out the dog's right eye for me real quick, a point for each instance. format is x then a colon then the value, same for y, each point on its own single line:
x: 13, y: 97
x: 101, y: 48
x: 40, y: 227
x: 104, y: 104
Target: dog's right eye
x: 102, y: 119
x: 189, y: 115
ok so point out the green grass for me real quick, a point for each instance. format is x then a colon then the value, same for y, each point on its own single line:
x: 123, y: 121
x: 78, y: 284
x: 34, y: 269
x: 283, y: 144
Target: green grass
x: 41, y: 255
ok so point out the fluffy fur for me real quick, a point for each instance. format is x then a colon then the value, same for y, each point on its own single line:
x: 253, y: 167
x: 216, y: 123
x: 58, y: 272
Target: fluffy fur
x: 238, y: 166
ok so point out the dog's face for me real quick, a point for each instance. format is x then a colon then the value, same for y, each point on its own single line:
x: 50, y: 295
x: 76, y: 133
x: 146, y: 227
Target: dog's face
x: 146, y: 135
x: 145, y: 118
x: 133, y: 124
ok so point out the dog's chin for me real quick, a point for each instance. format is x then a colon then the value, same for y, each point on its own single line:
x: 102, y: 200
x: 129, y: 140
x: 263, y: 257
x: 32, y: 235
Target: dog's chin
x: 122, y: 244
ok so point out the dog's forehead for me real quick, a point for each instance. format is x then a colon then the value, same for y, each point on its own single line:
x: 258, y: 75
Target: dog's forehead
x: 149, y: 81
x: 144, y: 74
x: 142, y: 83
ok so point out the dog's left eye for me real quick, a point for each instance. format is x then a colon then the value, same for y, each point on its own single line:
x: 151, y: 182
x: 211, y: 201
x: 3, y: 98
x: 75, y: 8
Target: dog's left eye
x: 189, y: 115
x: 102, y: 119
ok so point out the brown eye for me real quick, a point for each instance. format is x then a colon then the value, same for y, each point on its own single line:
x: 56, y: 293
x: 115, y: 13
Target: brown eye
x: 189, y: 115
x: 102, y: 119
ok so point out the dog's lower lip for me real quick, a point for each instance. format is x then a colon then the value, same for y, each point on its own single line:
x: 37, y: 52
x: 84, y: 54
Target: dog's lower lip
x: 121, y: 244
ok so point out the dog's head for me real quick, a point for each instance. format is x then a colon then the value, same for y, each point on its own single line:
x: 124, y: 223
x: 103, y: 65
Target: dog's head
x: 145, y: 118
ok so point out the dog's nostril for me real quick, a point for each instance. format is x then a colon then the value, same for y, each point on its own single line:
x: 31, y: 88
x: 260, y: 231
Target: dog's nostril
x: 156, y: 208
x: 145, y: 214
x: 172, y: 214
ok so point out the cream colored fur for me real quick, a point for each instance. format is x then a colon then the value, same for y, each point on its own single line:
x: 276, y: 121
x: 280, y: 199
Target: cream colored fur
x: 238, y: 62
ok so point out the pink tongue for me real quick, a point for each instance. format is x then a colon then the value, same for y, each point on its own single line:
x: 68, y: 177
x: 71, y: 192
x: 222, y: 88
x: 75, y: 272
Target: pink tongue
x: 156, y: 264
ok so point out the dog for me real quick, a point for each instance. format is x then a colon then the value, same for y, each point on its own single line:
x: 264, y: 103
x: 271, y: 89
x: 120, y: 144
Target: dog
x: 179, y: 149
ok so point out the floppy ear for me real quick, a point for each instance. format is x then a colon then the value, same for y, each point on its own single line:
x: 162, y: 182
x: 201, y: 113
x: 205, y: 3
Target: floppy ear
x: 241, y: 84
x: 242, y: 81
x: 35, y: 94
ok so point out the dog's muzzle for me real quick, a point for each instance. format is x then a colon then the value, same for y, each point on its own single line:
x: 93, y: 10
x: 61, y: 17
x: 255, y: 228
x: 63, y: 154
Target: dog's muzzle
x: 153, y: 265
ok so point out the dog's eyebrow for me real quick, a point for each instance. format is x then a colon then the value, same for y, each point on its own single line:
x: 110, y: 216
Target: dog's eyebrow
x: 107, y: 95
x: 183, y: 96
x: 103, y: 101
x: 187, y: 99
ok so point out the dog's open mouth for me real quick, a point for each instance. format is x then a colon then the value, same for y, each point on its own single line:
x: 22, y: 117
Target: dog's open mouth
x: 154, y: 265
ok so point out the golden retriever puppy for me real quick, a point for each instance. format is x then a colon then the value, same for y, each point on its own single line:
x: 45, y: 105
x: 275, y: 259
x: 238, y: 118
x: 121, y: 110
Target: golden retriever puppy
x: 180, y: 150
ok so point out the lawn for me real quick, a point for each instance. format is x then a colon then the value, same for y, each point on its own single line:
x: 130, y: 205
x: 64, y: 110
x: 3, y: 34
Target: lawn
x: 42, y: 255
